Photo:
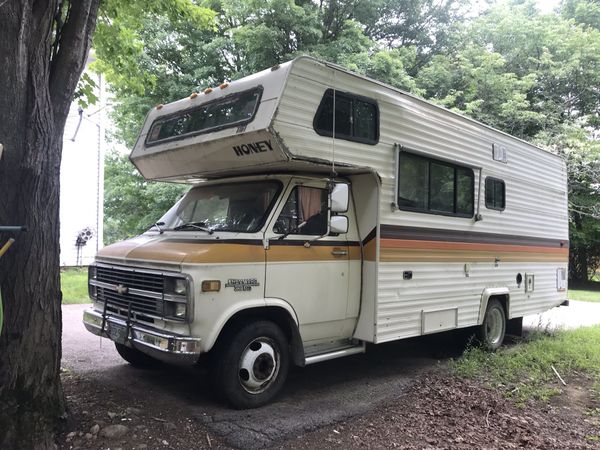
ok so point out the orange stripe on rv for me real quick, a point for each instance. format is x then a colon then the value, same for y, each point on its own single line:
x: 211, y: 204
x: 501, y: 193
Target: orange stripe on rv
x: 469, y: 246
x: 222, y: 253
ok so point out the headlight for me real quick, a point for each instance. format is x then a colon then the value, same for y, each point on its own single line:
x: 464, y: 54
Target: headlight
x: 176, y: 286
x: 180, y: 286
x: 176, y: 310
x: 180, y: 310
x: 92, y: 275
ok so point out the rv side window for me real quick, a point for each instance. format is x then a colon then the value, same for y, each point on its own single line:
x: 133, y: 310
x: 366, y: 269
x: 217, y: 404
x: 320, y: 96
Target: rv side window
x: 428, y: 185
x: 230, y: 111
x: 305, y: 212
x: 356, y: 118
x: 495, y: 194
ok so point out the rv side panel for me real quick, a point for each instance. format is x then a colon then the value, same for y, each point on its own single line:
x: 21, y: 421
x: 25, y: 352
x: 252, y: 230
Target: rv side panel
x: 433, y: 266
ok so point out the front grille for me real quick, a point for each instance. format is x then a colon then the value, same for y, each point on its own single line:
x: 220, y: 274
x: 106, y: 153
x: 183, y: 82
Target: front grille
x: 152, y: 282
x: 146, y: 304
x: 120, y: 303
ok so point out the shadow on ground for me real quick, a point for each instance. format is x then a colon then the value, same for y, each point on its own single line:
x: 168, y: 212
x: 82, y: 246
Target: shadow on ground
x: 314, y: 396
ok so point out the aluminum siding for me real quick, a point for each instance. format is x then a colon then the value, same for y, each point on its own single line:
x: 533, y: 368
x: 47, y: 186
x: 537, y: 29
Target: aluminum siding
x: 536, y: 198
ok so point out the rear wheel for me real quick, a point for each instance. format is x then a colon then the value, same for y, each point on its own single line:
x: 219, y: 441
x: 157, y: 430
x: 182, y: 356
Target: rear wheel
x: 136, y: 358
x: 251, y: 366
x: 491, y: 331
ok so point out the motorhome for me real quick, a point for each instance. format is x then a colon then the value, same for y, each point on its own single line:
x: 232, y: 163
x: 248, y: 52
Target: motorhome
x: 327, y: 211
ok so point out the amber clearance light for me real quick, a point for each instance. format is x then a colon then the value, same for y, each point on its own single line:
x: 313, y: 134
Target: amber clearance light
x: 211, y: 286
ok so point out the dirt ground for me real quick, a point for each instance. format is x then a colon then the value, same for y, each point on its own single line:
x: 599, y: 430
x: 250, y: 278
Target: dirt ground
x: 439, y: 411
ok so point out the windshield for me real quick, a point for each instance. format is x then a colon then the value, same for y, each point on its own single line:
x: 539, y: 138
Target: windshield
x: 238, y: 207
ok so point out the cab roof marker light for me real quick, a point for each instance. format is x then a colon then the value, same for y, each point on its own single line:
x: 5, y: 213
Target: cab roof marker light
x: 159, y: 106
x: 275, y: 67
x: 193, y: 95
x: 224, y: 85
x: 208, y: 90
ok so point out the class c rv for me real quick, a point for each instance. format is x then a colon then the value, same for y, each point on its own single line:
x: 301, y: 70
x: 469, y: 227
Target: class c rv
x: 327, y: 211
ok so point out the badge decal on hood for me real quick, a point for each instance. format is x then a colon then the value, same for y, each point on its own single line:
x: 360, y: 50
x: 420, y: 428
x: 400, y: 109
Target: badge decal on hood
x: 242, y: 284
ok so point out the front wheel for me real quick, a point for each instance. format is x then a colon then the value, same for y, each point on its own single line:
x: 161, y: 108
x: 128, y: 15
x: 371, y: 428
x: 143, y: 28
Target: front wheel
x: 251, y: 367
x: 491, y: 331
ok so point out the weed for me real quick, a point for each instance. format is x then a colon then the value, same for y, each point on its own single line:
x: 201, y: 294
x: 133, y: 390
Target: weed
x: 524, y: 370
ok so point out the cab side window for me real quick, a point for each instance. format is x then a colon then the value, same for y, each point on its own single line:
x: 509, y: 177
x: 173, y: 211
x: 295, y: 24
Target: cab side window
x: 305, y: 212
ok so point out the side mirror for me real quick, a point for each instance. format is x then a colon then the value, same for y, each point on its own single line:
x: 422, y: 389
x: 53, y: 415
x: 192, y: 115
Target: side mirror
x: 338, y: 224
x: 339, y: 198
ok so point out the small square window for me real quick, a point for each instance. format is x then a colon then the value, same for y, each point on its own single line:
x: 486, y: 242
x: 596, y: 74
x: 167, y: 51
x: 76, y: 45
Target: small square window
x: 495, y: 194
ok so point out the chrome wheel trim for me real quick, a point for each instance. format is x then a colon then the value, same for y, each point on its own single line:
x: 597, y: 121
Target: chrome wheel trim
x: 494, y: 325
x: 259, y: 365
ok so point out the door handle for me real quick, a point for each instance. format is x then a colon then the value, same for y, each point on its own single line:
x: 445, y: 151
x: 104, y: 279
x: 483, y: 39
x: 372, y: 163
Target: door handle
x: 339, y: 252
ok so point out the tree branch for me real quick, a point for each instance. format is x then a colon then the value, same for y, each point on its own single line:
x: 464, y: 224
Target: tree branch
x: 66, y: 67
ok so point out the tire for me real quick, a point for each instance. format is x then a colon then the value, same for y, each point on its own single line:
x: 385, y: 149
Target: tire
x: 136, y: 358
x: 250, y: 367
x: 491, y: 332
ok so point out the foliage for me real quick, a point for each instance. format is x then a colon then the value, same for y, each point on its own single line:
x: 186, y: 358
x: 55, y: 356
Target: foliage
x: 582, y: 154
x: 525, y: 370
x: 533, y: 75
x: 170, y: 59
x: 132, y: 204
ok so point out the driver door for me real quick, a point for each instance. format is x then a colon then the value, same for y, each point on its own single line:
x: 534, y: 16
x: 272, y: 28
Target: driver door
x: 306, y: 267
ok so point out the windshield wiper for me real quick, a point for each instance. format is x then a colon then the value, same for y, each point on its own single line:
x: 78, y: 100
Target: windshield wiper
x: 158, y: 227
x: 195, y: 225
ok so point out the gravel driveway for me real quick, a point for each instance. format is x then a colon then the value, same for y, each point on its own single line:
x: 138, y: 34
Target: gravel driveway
x: 314, y: 396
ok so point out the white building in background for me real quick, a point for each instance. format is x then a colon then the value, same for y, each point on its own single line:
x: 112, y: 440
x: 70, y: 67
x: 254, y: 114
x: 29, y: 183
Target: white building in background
x: 82, y: 181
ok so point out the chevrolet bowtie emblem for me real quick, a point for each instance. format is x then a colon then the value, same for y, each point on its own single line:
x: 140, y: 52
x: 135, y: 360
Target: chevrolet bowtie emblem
x: 121, y: 289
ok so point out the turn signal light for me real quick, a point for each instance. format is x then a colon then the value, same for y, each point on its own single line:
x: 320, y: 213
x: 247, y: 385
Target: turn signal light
x: 211, y: 286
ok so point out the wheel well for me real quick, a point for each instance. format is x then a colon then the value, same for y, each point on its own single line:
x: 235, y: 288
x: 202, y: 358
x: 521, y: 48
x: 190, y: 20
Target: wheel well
x: 277, y: 315
x: 504, y: 301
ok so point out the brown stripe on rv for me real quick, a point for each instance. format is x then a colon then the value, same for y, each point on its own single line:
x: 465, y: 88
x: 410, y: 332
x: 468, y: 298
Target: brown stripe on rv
x: 400, y: 244
x: 433, y: 234
x: 313, y: 253
x: 215, y: 252
x: 370, y: 250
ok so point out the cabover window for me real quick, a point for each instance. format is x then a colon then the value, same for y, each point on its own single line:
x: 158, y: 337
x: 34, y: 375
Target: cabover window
x: 495, y: 194
x: 429, y: 185
x: 356, y: 118
x: 230, y: 111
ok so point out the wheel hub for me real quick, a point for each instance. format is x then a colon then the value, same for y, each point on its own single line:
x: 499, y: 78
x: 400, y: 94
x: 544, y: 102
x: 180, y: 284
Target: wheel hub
x: 259, y: 365
x: 494, y: 326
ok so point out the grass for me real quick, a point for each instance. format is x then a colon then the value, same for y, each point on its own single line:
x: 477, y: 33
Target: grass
x: 74, y: 286
x: 584, y: 295
x: 524, y: 370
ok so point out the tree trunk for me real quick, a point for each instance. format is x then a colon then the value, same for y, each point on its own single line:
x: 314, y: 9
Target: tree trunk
x: 41, y: 59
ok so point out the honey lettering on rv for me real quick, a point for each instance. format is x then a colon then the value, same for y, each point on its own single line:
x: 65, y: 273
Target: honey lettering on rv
x: 252, y: 147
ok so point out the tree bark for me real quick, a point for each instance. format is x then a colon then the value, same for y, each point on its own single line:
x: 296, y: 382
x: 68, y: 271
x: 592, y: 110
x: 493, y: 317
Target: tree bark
x: 36, y: 89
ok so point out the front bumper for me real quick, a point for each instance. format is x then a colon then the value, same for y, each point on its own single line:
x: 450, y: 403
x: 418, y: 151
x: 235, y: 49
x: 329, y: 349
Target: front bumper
x: 166, y: 347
